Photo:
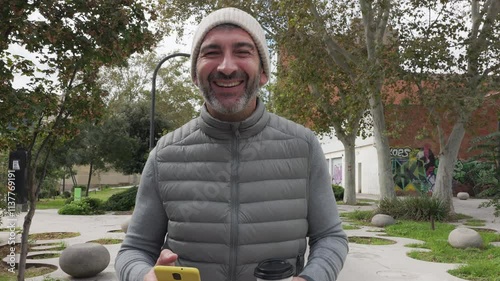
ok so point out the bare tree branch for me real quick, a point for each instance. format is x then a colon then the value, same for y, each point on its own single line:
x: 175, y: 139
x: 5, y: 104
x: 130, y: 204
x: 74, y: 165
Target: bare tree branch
x: 338, y: 54
x: 478, y: 37
x: 485, y: 7
x: 382, y: 21
x: 490, y: 69
x: 493, y: 10
x: 367, y: 13
x: 476, y: 19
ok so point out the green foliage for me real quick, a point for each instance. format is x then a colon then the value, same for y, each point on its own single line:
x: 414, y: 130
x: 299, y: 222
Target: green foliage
x: 69, y: 200
x: 86, y: 206
x: 363, y: 216
x: 72, y: 40
x: 123, y: 135
x: 49, y: 188
x: 94, y: 203
x: 123, y: 201
x: 480, y: 175
x: 418, y: 208
x: 338, y: 191
x: 66, y: 194
x: 4, y: 161
x: 488, y: 148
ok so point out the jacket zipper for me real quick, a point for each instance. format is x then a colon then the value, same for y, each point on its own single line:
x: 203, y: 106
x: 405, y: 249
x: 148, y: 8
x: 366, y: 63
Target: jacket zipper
x: 234, y: 204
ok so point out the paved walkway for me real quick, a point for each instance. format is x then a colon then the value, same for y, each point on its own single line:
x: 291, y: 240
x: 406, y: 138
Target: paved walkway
x: 364, y: 262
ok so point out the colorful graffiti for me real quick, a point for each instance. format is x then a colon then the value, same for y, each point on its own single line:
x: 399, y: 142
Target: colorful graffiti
x: 337, y: 171
x: 414, y: 169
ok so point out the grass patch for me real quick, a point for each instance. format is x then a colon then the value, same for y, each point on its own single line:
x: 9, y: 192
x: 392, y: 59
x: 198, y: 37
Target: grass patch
x: 360, y: 217
x: 57, y: 246
x: 370, y: 240
x: 48, y: 203
x: 32, y: 270
x: 350, y: 227
x: 417, y: 245
x: 377, y: 230
x: 358, y: 203
x: 17, y: 230
x: 44, y: 256
x: 437, y: 241
x: 488, y: 230
x: 59, y: 202
x: 475, y: 222
x: 105, y: 193
x: 458, y: 217
x: 53, y: 235
x: 106, y: 241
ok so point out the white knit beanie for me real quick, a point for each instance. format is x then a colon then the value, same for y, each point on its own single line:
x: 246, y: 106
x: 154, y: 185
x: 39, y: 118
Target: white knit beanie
x: 236, y: 17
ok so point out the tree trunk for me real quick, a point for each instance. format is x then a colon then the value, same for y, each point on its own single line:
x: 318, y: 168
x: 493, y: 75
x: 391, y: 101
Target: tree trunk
x: 385, y: 177
x: 90, y: 178
x: 447, y: 161
x: 350, y: 172
x: 27, y: 224
x: 72, y: 175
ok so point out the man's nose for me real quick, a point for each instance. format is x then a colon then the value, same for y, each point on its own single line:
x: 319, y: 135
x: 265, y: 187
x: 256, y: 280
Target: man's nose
x: 228, y: 65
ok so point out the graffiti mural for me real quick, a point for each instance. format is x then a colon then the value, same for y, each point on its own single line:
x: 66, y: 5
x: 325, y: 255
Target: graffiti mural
x: 336, y: 171
x: 414, y: 169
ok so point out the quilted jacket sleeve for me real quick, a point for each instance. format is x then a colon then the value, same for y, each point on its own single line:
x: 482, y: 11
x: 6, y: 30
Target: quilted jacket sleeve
x: 146, y: 231
x: 328, y: 242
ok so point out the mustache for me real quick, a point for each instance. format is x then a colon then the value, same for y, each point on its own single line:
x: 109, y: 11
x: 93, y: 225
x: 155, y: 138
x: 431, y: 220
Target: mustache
x: 234, y: 75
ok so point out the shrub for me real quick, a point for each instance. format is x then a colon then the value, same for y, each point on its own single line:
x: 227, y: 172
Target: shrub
x: 338, y: 191
x: 66, y: 194
x: 86, y: 206
x: 123, y: 201
x: 75, y: 208
x: 94, y: 203
x: 365, y: 216
x: 417, y: 208
x: 391, y: 206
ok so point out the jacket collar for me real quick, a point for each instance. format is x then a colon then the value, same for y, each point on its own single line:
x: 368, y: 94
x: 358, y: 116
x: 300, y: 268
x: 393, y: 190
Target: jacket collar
x: 226, y: 130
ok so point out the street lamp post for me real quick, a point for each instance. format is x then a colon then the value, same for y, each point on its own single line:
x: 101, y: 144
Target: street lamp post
x: 153, y: 97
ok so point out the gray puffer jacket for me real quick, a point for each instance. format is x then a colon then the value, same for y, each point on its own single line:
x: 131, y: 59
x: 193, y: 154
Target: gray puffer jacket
x: 225, y: 196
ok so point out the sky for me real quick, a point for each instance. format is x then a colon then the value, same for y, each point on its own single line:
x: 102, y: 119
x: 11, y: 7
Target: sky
x: 166, y: 47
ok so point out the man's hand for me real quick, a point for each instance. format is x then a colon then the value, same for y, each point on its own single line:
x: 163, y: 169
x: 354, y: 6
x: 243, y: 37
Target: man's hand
x: 298, y: 279
x: 166, y: 258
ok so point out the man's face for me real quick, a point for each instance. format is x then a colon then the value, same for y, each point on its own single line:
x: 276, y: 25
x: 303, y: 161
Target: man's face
x: 229, y: 73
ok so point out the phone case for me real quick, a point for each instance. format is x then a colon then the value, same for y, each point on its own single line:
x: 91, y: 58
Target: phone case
x: 176, y: 273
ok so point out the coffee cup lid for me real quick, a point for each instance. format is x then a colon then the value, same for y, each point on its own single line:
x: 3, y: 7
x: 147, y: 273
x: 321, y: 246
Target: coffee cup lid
x: 273, y: 269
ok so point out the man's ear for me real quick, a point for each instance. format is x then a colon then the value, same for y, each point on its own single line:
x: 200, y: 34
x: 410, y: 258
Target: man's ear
x: 263, y: 78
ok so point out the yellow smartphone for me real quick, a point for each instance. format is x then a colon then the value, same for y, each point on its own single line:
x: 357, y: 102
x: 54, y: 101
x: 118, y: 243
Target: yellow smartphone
x: 176, y: 273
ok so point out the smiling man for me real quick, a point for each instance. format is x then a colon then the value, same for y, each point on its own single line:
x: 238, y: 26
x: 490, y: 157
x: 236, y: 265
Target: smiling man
x: 237, y: 185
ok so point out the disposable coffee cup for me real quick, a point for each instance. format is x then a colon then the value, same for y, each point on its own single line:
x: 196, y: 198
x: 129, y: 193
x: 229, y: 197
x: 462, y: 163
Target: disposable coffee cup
x: 275, y: 270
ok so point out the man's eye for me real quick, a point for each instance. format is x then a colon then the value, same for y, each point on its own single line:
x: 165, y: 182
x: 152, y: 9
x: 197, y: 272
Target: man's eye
x: 211, y: 54
x: 243, y: 52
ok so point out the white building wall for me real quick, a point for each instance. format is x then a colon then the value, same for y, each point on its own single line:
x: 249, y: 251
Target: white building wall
x: 366, y: 162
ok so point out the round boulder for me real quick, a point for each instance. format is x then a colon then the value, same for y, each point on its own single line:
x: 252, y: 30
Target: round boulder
x: 463, y: 195
x: 382, y: 220
x: 124, y: 225
x: 463, y: 237
x: 84, y: 260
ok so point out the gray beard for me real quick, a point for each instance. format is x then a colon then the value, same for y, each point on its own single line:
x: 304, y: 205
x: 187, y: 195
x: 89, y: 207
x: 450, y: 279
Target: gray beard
x: 251, y: 91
